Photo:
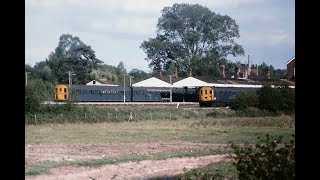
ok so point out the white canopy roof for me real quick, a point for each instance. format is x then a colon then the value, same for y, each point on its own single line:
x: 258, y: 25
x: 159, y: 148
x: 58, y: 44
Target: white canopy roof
x: 190, y: 82
x: 151, y: 82
x: 235, y: 85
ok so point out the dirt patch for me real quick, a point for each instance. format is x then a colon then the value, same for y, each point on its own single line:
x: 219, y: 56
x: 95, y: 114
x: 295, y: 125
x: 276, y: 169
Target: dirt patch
x: 71, y: 152
x: 133, y: 170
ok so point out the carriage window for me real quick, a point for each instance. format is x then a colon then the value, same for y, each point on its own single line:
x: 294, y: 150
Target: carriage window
x: 60, y: 89
x: 205, y: 92
x: 56, y: 90
x: 65, y: 89
x: 210, y: 92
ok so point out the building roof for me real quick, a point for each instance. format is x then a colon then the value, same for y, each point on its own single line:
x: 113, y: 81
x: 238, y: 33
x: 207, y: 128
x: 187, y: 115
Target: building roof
x: 151, y: 82
x: 294, y: 57
x: 102, y: 82
x: 173, y: 79
x: 190, y: 82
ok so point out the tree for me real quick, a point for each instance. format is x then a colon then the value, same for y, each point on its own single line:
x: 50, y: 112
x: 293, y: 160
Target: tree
x: 190, y: 36
x: 139, y: 75
x: 72, y: 55
x: 37, y: 91
x: 269, y: 98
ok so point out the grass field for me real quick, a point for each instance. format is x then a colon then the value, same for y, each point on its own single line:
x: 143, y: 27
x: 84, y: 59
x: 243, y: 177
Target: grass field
x: 209, y: 130
x: 215, y: 130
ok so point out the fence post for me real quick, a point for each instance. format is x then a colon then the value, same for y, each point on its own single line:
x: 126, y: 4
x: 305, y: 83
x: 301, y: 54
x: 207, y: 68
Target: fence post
x: 35, y: 118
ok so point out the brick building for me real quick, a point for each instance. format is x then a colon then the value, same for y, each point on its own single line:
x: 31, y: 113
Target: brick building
x: 291, y: 65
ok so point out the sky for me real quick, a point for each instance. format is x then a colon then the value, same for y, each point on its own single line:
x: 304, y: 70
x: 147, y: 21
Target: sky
x: 115, y: 29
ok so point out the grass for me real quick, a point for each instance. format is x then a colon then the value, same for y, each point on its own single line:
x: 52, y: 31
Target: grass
x: 62, y: 115
x: 219, y: 170
x: 214, y: 130
x: 151, y: 125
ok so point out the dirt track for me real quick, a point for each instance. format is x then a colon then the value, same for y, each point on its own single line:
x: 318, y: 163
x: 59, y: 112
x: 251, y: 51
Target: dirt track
x: 127, y: 170
x: 133, y: 170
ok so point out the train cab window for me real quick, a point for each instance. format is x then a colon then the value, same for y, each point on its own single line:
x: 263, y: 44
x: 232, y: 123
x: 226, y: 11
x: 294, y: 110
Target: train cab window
x: 56, y: 90
x: 60, y: 89
x: 65, y: 89
x: 210, y: 92
x: 205, y: 92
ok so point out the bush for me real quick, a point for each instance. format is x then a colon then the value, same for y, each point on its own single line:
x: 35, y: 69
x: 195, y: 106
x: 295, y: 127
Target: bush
x: 272, y: 160
x: 243, y: 100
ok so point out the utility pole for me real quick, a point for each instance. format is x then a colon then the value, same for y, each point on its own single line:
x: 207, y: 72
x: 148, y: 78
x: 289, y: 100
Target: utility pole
x: 124, y: 88
x: 170, y: 88
x: 27, y: 77
x: 70, y: 78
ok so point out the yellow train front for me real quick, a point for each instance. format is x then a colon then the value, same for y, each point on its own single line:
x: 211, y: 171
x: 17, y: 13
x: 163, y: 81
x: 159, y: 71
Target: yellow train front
x: 206, y: 96
x: 61, y: 92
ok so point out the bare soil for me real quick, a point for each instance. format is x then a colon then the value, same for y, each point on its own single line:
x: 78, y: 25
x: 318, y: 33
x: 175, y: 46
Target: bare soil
x: 126, y: 170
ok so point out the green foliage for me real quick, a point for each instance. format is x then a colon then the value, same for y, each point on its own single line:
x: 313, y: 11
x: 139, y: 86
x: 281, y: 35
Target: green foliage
x: 275, y: 74
x: 243, y: 100
x: 218, y: 171
x: 72, y: 55
x: 287, y: 99
x: 273, y: 159
x: 276, y: 99
x: 32, y: 100
x: 190, y: 35
x: 139, y: 75
x: 37, y: 91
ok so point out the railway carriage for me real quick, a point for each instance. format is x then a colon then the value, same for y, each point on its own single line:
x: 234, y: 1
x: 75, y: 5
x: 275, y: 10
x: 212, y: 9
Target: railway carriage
x: 84, y: 93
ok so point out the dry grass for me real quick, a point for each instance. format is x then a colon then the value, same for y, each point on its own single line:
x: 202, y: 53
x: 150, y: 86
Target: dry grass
x: 219, y: 130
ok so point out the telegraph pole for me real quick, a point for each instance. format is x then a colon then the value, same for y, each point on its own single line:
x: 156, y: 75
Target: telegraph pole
x: 170, y: 89
x: 27, y: 77
x: 124, y: 88
x: 70, y: 78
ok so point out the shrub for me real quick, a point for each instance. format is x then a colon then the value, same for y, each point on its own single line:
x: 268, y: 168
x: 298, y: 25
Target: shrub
x: 271, y: 160
x: 243, y: 100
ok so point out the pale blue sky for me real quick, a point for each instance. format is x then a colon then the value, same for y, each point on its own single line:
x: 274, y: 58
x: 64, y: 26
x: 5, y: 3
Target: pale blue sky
x: 116, y: 28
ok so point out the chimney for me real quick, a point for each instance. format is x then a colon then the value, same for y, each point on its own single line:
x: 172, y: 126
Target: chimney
x: 244, y: 70
x: 236, y: 72
x: 245, y: 73
x: 222, y: 73
x: 190, y: 71
x: 268, y: 73
x: 254, y: 70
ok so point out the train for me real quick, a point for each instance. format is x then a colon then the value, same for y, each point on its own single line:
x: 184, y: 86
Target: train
x: 221, y: 96
x: 206, y: 96
x: 87, y: 93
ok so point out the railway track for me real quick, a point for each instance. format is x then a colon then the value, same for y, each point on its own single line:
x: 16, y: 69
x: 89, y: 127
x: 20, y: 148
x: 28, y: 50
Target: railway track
x: 130, y: 104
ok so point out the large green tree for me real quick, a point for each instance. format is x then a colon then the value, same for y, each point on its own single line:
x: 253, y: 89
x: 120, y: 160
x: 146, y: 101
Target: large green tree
x: 72, y: 55
x: 192, y: 35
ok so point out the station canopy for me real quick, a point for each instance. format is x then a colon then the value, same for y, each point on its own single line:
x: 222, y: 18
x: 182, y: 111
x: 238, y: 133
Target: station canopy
x: 151, y: 82
x: 189, y: 82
